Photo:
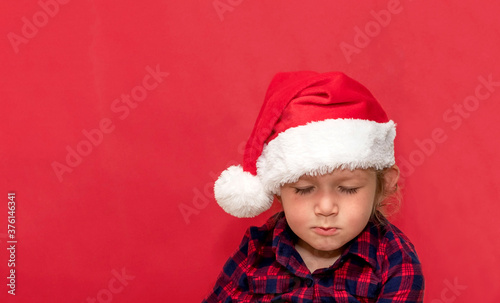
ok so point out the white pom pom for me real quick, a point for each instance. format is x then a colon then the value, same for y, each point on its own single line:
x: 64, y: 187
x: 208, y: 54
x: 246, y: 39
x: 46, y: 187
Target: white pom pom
x: 241, y: 194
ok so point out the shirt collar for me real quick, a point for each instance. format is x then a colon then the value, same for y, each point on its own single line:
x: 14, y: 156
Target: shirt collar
x: 365, y: 244
x: 284, y: 247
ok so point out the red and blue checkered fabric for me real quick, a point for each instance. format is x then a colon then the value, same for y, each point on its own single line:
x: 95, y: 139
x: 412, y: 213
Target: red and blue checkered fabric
x: 380, y: 265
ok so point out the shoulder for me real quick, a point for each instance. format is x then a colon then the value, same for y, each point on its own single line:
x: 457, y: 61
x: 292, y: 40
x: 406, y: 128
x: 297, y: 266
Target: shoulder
x: 384, y: 246
x: 398, y: 266
x: 395, y: 243
x: 261, y: 238
x: 233, y: 281
x: 257, y: 241
x: 262, y: 232
x: 402, y: 273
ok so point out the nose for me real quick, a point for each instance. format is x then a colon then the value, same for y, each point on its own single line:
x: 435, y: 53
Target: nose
x: 327, y: 205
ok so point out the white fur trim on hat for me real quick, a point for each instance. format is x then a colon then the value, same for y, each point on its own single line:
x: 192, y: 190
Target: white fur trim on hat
x: 320, y: 147
x: 241, y: 194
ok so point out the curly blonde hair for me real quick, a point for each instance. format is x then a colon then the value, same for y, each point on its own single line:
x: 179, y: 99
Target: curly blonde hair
x: 387, y: 200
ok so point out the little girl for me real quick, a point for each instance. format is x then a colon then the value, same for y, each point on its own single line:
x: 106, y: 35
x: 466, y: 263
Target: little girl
x: 324, y: 148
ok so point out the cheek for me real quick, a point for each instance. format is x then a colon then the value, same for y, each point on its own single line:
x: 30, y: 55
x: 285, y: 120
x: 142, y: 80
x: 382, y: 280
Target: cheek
x: 291, y: 208
x: 295, y: 211
x: 360, y: 209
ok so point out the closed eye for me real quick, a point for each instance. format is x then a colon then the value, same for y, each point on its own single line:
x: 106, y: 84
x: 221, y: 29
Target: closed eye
x: 303, y: 191
x: 348, y: 190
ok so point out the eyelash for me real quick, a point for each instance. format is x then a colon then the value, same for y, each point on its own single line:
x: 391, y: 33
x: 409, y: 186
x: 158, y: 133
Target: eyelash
x: 349, y: 191
x: 345, y: 190
x: 303, y: 191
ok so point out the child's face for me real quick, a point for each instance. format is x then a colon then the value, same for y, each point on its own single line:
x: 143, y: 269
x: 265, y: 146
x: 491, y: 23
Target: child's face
x: 328, y: 211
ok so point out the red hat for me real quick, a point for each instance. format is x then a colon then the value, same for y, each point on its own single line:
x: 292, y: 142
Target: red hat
x: 310, y: 123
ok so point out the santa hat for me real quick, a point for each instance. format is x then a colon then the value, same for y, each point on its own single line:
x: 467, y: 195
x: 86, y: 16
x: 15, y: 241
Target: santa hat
x: 310, y: 123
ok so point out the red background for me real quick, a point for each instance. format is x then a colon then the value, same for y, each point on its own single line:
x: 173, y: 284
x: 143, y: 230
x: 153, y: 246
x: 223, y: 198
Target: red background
x: 120, y: 208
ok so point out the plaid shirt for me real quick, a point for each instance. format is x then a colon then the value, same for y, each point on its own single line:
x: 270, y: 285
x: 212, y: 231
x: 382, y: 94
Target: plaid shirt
x: 380, y: 265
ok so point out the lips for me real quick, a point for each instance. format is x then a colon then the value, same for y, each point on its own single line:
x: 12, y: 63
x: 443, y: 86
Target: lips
x: 325, y: 231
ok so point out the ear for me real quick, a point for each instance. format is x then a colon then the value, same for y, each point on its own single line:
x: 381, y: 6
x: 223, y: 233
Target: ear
x: 391, y: 177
